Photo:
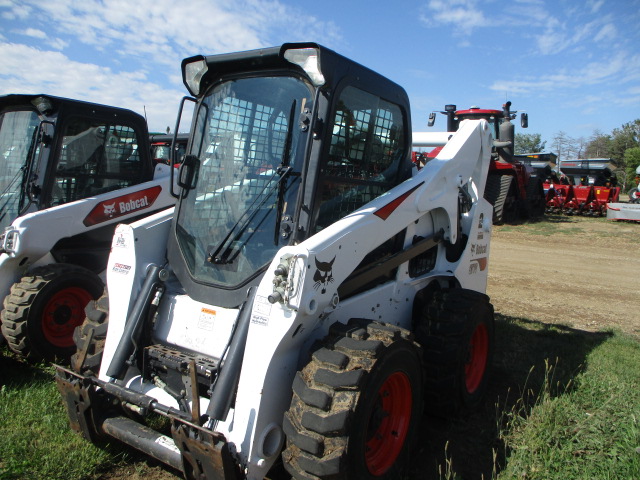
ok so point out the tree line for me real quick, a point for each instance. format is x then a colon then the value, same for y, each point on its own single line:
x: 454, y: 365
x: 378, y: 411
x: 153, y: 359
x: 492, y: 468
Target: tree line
x: 621, y: 145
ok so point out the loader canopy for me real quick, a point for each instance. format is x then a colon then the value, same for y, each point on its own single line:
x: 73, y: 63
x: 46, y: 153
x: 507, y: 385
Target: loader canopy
x: 245, y: 137
x: 17, y: 139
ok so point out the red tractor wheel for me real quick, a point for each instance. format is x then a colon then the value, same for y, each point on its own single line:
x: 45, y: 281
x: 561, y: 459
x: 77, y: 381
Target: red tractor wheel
x: 45, y: 307
x: 356, y: 406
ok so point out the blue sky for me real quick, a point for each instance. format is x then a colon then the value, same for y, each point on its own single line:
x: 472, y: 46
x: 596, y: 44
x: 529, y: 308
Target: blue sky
x: 574, y: 66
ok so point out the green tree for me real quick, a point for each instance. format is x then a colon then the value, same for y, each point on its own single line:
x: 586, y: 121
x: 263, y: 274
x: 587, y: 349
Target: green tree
x: 632, y: 161
x: 563, y: 145
x: 623, y: 138
x: 529, y: 143
x: 598, y: 145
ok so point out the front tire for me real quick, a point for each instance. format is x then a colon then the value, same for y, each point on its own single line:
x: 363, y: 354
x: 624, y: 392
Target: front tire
x: 42, y: 311
x: 356, y: 406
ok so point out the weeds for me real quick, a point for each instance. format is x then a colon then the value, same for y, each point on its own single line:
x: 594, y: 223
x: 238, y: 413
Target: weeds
x: 587, y: 428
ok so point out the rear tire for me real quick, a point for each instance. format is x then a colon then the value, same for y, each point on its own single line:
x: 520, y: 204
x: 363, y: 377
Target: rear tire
x: 356, y: 406
x: 456, y: 331
x: 42, y: 310
x: 500, y: 191
x: 535, y: 199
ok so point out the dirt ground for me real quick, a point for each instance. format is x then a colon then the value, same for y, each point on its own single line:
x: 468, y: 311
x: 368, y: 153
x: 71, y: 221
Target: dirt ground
x: 576, y: 271
x: 570, y: 278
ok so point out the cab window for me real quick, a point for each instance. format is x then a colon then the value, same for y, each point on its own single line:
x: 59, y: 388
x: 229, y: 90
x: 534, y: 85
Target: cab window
x: 365, y: 152
x: 96, y: 158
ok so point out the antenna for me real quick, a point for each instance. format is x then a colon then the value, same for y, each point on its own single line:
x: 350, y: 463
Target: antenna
x: 144, y: 107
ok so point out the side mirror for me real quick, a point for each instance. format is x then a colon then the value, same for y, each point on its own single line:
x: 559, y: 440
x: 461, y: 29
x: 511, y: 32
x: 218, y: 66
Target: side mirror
x: 524, y: 120
x: 432, y: 119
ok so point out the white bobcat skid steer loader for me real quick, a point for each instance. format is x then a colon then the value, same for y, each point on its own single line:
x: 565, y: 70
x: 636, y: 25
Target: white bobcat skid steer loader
x: 312, y: 295
x: 69, y: 172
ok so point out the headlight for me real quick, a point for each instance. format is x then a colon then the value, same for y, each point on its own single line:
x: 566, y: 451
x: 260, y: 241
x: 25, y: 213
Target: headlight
x: 309, y: 60
x: 9, y: 240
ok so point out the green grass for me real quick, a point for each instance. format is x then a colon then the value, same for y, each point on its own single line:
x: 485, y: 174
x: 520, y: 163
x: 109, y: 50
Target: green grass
x: 587, y: 428
x: 562, y: 404
x: 35, y: 439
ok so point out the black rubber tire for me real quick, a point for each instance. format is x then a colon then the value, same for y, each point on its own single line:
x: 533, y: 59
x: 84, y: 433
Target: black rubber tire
x: 338, y: 396
x: 536, y: 204
x: 90, y: 337
x: 634, y: 197
x: 500, y: 191
x: 456, y: 374
x: 28, y: 315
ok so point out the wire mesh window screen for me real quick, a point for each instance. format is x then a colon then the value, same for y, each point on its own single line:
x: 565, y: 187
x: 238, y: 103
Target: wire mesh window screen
x: 95, y: 158
x: 227, y: 226
x: 365, y: 152
x: 17, y: 138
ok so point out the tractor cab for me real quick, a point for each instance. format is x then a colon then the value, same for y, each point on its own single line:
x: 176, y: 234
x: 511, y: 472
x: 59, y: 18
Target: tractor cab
x: 285, y: 141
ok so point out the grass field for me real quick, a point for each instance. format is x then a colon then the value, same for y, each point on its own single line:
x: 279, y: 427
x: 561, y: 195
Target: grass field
x: 571, y: 414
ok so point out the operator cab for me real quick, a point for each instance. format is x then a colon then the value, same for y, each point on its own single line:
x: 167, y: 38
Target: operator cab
x: 57, y: 150
x: 285, y: 141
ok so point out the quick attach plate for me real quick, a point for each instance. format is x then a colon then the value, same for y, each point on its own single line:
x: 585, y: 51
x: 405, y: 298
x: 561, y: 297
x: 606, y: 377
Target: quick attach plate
x: 172, y: 367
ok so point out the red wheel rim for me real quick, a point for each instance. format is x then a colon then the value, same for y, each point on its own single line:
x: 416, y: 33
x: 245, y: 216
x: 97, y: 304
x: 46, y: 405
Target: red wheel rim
x: 388, y: 423
x: 63, y: 312
x: 477, y: 362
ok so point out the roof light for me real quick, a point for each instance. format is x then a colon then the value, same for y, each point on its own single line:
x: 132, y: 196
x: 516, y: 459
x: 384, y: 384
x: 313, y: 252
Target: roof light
x: 193, y: 73
x: 43, y: 105
x: 309, y: 60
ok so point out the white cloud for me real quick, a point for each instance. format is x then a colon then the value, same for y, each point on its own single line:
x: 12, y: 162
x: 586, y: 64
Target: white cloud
x: 137, y: 45
x: 164, y: 31
x: 35, y: 33
x: 595, y: 5
x: 607, y: 32
x: 617, y: 70
x: 29, y: 70
x: 465, y: 15
x: 15, y: 10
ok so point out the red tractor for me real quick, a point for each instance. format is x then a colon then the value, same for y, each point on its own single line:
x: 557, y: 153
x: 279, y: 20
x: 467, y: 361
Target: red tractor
x: 513, y: 187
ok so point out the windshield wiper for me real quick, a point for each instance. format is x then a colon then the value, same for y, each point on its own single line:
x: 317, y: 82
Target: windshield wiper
x: 220, y: 256
x: 6, y: 193
x: 283, y: 170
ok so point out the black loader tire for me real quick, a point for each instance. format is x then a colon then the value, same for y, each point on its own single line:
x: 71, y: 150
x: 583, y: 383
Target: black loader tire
x: 90, y: 337
x: 42, y: 311
x: 456, y: 331
x: 634, y: 196
x: 356, y: 405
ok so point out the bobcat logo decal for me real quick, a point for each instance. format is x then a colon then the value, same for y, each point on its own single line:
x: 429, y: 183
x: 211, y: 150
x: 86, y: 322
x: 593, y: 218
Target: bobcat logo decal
x: 109, y: 210
x: 323, y: 275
